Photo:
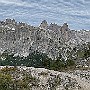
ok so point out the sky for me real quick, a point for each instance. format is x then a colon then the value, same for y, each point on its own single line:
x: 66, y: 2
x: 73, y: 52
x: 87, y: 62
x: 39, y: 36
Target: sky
x: 74, y: 12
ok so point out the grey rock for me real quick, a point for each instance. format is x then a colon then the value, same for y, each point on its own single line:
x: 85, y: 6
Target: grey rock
x: 22, y: 39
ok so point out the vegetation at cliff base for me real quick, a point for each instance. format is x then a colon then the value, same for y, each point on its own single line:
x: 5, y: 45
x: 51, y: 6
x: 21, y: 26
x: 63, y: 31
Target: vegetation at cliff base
x: 35, y: 59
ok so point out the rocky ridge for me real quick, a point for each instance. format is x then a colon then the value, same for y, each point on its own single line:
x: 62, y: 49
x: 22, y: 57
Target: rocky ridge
x: 22, y: 39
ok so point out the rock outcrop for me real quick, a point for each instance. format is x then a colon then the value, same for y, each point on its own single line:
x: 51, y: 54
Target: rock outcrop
x: 22, y: 39
x: 44, y: 24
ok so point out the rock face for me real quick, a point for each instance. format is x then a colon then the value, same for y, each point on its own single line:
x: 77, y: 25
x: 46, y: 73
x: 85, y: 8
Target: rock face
x: 22, y: 39
x: 44, y: 24
x: 65, y: 32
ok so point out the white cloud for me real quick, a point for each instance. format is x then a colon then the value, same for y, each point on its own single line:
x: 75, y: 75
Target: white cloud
x: 15, y: 2
x: 71, y: 11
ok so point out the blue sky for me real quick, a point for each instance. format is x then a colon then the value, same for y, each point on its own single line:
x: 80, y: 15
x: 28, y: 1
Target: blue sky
x: 75, y: 12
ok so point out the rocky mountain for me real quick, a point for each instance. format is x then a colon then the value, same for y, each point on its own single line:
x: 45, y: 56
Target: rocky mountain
x: 54, y: 40
x: 25, y: 52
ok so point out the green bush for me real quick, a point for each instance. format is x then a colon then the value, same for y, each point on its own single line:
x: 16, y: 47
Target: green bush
x: 36, y: 59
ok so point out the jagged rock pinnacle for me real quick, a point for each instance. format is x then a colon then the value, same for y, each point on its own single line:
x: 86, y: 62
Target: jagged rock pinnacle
x: 43, y: 24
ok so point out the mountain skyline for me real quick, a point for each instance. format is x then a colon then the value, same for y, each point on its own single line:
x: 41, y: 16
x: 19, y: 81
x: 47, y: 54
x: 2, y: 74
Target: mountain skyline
x: 75, y: 12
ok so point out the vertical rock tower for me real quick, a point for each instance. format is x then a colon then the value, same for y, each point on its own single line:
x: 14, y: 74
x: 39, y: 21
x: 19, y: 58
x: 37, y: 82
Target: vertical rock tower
x: 65, y: 31
x: 43, y: 24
